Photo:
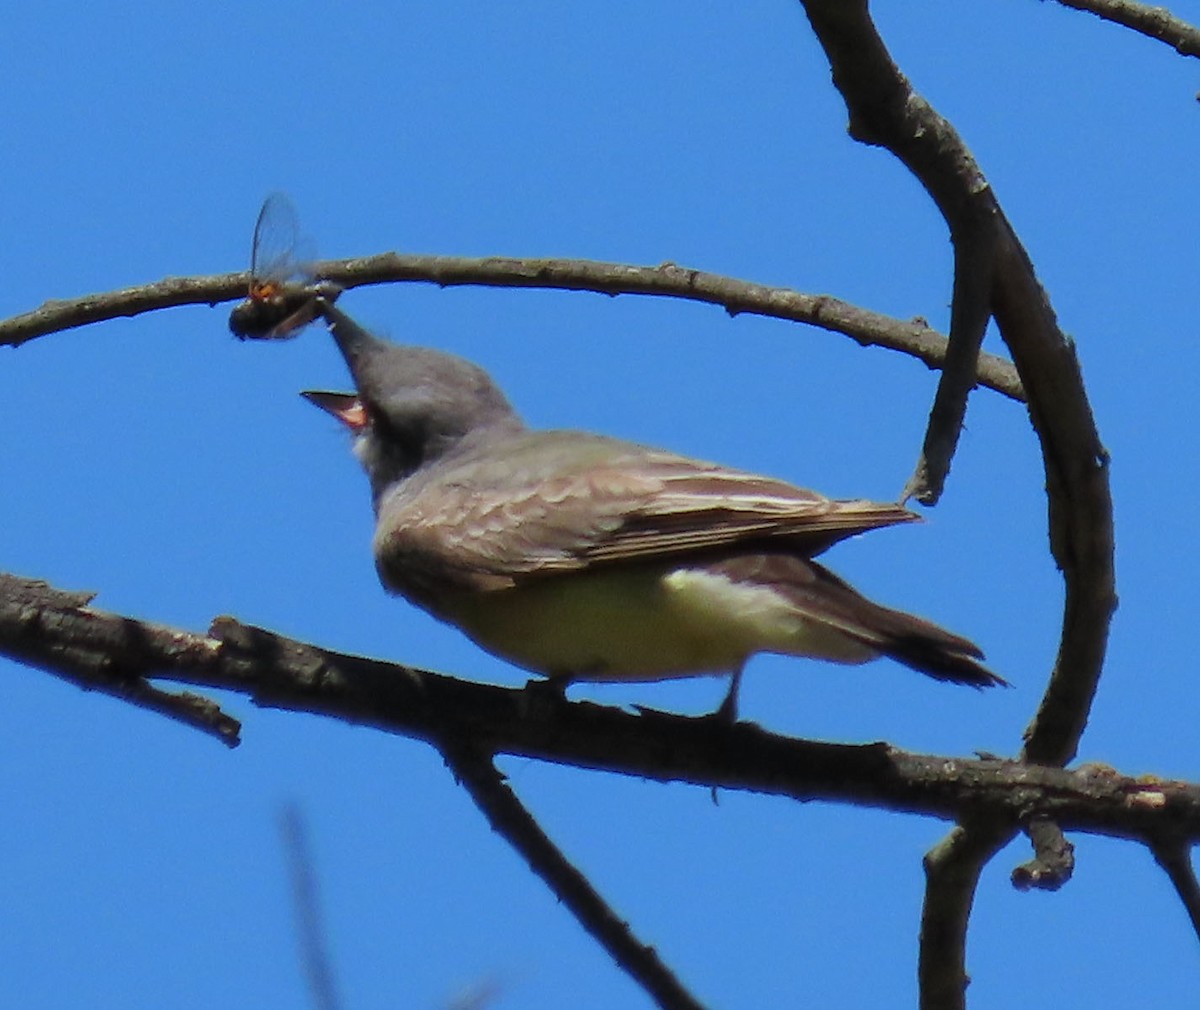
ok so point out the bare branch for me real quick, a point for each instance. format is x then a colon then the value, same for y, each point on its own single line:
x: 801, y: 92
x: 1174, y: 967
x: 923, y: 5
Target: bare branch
x: 68, y: 313
x: 1077, y: 485
x: 1174, y: 856
x: 1156, y: 22
x: 969, y: 316
x: 509, y: 818
x: 992, y: 274
x: 532, y: 722
x: 1053, y: 859
x: 869, y: 329
x: 952, y: 871
x: 190, y: 709
x: 884, y: 110
x: 33, y: 634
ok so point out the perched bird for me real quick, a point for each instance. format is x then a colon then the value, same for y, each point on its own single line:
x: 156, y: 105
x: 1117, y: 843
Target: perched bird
x: 582, y: 557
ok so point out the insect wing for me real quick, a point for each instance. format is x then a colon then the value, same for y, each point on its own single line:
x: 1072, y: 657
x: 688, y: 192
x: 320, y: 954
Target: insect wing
x: 282, y: 290
x: 274, y: 251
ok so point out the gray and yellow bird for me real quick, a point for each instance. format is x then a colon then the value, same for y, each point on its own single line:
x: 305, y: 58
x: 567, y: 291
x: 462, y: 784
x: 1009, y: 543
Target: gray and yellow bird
x: 582, y: 557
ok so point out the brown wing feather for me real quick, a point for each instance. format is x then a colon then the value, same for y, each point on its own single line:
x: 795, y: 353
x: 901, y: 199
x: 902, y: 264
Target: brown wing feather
x: 552, y: 501
x: 698, y: 510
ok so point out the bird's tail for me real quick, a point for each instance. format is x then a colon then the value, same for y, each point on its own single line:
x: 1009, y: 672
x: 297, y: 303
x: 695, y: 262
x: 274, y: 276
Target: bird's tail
x: 934, y: 651
x: 864, y: 628
x: 917, y: 643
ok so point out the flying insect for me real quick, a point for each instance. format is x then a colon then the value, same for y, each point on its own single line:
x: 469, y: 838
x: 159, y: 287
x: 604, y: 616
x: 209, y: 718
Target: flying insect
x: 281, y: 299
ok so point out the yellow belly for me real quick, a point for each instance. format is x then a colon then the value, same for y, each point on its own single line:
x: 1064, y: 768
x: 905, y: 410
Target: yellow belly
x: 642, y: 624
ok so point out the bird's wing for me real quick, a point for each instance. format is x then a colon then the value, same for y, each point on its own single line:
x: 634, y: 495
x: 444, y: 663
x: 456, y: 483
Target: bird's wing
x: 698, y: 507
x: 552, y: 502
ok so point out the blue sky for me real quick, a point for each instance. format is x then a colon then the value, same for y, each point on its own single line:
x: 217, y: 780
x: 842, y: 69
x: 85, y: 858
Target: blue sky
x: 174, y: 470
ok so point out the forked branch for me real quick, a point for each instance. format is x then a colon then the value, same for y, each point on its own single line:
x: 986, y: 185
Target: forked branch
x: 993, y: 275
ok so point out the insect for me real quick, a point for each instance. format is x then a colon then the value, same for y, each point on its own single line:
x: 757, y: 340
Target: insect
x: 281, y: 299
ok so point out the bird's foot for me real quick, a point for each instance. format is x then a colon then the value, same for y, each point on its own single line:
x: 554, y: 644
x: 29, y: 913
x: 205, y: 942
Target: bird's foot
x: 727, y: 712
x: 547, y: 692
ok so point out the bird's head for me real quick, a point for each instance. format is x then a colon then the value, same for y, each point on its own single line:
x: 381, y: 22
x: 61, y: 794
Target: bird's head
x: 412, y: 405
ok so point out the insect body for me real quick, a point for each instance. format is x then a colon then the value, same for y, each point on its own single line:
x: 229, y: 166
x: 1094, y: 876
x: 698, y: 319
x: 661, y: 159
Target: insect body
x: 281, y: 297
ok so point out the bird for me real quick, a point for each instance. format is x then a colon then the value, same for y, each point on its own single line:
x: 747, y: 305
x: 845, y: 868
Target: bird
x: 581, y: 557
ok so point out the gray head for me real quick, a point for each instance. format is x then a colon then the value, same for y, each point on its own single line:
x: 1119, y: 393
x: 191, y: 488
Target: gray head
x: 413, y: 406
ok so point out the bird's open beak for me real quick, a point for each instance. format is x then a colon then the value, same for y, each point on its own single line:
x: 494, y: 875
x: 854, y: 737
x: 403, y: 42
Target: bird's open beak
x: 346, y: 407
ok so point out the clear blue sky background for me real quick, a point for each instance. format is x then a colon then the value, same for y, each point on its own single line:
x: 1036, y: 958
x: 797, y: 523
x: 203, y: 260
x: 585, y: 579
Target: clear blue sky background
x: 175, y: 471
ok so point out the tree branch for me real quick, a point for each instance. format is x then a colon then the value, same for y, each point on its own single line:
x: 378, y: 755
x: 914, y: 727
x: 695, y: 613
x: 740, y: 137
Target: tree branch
x: 33, y: 634
x: 1053, y: 859
x: 509, y: 818
x: 1155, y: 22
x: 1174, y: 856
x: 532, y: 722
x: 869, y: 329
x: 970, y: 311
x: 952, y: 869
x: 993, y: 274
x: 884, y: 110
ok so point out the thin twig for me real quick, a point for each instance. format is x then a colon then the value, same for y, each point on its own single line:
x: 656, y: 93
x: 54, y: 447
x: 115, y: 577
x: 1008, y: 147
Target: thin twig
x: 1175, y: 857
x: 33, y: 615
x: 1155, y: 22
x: 509, y: 818
x: 185, y: 707
x: 310, y: 928
x: 969, y: 315
x: 868, y: 328
x: 90, y: 671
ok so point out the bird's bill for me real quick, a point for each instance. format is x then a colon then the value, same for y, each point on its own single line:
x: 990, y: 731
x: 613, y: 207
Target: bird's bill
x: 346, y: 407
